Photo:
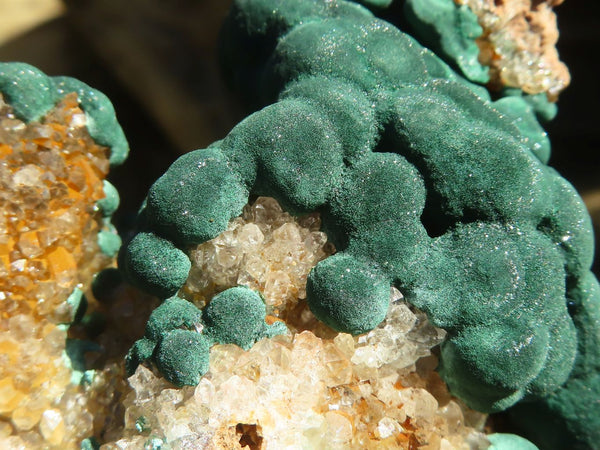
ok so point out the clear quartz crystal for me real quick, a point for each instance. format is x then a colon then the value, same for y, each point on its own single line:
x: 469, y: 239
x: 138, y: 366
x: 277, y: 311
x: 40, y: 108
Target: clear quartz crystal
x: 310, y: 389
x: 265, y: 249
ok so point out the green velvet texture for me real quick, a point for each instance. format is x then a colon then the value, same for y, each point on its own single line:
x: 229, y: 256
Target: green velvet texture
x: 422, y: 182
x: 182, y: 357
x: 154, y: 264
x: 178, y: 335
x: 450, y: 30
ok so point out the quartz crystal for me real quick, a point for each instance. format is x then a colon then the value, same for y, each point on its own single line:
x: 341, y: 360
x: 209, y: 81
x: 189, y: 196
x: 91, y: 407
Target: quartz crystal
x: 51, y: 176
x: 265, y: 249
x: 303, y: 391
x: 312, y: 388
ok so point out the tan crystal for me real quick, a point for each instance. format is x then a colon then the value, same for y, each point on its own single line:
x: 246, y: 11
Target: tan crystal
x: 519, y: 44
x: 265, y: 249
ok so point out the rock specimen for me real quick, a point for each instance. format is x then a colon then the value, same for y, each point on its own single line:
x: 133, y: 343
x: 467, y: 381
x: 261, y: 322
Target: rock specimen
x: 422, y: 183
x: 510, y: 43
x: 58, y: 138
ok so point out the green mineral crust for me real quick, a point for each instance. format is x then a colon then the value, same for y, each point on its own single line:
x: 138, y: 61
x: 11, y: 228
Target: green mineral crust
x: 32, y: 94
x: 450, y: 30
x: 178, y: 335
x: 422, y: 183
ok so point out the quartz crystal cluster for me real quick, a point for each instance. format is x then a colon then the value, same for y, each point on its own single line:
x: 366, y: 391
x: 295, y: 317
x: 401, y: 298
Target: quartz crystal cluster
x: 265, y: 249
x: 518, y: 44
x: 51, y: 178
x: 311, y: 388
x: 52, y: 175
x: 378, y: 390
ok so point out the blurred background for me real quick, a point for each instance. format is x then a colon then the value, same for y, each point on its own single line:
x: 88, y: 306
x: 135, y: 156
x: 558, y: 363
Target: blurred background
x: 156, y: 60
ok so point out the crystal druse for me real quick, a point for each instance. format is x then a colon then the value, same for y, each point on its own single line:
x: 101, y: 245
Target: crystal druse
x: 422, y: 182
x: 58, y: 139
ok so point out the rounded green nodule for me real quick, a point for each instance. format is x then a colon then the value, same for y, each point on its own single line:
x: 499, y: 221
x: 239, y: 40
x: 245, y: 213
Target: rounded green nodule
x: 236, y: 316
x: 155, y: 264
x: 182, y: 357
x: 347, y: 294
x: 174, y: 313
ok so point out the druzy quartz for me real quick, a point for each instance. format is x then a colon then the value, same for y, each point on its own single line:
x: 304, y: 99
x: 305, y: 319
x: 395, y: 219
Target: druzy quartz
x: 55, y: 234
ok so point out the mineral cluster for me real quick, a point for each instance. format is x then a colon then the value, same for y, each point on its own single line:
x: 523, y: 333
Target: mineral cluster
x: 422, y: 182
x: 55, y: 235
x: 509, y: 43
x: 377, y: 257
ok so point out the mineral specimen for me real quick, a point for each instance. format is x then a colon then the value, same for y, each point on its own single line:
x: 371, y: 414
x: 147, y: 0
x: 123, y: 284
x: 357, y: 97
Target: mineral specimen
x: 422, y: 183
x: 303, y: 391
x: 58, y: 138
x: 508, y: 44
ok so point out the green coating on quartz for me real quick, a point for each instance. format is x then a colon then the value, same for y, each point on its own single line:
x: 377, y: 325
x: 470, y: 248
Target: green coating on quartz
x: 101, y: 118
x: 109, y: 242
x: 78, y: 304
x: 422, y: 183
x: 237, y: 316
x: 347, y: 294
x: 178, y: 335
x: 506, y: 441
x: 109, y: 204
x: 75, y: 350
x: 32, y: 94
x: 182, y: 357
x: 174, y: 313
x: 449, y: 30
x: 155, y: 265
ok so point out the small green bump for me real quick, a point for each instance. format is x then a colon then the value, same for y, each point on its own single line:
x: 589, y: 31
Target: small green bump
x: 155, y: 265
x: 90, y: 444
x: 109, y: 204
x: 78, y: 304
x: 275, y: 329
x: 505, y: 441
x: 182, y: 357
x: 109, y: 242
x: 237, y: 316
x: 142, y: 424
x: 155, y: 443
x: 172, y: 314
x: 347, y: 294
x: 141, y: 351
x: 75, y: 350
x: 29, y: 91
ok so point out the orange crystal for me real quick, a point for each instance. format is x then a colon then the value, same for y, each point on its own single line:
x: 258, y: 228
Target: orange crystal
x: 51, y: 176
